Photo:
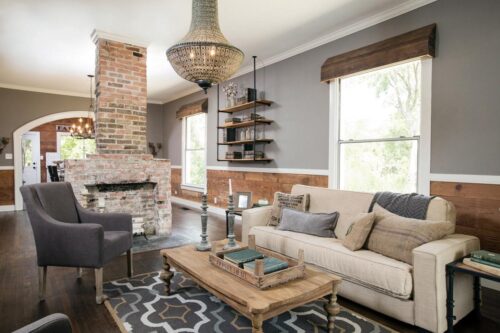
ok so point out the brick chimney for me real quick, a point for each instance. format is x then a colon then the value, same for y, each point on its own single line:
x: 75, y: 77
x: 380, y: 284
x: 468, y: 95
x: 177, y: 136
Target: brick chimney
x: 121, y: 90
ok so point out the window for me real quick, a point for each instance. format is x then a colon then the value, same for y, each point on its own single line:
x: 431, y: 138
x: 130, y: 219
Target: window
x: 379, y: 120
x: 194, y: 154
x: 72, y: 148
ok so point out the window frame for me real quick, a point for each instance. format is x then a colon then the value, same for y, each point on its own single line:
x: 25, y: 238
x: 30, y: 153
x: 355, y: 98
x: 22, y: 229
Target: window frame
x: 424, y: 140
x: 184, y: 184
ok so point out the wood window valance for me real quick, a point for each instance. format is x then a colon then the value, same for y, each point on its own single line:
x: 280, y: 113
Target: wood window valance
x: 192, y: 108
x: 413, y: 44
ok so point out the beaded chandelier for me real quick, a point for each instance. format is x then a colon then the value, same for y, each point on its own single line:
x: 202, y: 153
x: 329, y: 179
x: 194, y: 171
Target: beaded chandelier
x: 204, y: 55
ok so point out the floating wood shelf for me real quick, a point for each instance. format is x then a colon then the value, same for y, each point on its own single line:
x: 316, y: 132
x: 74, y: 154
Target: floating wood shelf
x: 246, y: 123
x: 242, y: 142
x: 246, y: 159
x: 246, y: 106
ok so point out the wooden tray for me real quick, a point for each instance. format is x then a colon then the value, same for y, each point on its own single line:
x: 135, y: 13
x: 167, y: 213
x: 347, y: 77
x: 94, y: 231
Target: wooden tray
x: 295, y: 270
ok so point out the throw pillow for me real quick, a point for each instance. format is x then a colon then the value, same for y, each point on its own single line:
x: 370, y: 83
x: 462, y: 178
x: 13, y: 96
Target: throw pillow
x: 285, y: 200
x: 358, y: 231
x: 316, y: 224
x: 395, y: 236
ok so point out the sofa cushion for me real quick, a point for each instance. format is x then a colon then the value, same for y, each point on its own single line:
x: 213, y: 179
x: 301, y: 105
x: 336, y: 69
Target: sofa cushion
x: 318, y: 224
x: 362, y: 267
x: 298, y: 202
x: 347, y: 203
x: 395, y: 236
x: 359, y: 231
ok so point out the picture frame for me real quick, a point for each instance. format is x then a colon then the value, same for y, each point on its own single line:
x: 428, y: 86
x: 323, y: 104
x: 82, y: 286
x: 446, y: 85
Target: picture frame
x: 243, y: 200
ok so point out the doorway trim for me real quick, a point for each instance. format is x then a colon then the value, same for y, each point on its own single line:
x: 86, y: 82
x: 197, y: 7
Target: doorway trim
x: 17, y: 136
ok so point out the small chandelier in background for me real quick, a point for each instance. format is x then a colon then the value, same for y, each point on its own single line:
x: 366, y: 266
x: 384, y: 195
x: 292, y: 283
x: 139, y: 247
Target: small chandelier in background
x: 84, y: 129
x: 204, y: 55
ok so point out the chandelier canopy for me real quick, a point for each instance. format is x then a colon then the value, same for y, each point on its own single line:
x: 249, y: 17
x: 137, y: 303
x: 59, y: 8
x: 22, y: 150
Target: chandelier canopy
x: 84, y: 129
x: 204, y: 55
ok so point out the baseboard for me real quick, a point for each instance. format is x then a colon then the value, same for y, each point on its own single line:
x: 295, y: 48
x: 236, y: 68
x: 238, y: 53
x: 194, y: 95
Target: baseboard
x: 7, y: 208
x: 196, y: 205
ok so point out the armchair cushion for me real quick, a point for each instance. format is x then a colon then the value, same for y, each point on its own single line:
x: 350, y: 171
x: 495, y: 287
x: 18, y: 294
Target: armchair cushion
x: 57, y: 199
x: 115, y: 243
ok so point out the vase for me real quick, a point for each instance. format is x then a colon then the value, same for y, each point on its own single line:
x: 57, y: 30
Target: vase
x: 230, y: 102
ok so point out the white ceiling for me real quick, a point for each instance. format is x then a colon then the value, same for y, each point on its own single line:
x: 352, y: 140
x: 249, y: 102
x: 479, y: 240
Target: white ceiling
x: 46, y: 45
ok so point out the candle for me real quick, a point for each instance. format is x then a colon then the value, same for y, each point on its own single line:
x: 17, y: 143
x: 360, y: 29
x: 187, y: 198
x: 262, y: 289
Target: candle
x: 230, y: 187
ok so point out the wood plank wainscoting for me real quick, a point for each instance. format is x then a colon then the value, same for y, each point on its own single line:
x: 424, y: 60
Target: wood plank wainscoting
x: 6, y: 187
x: 263, y: 185
x: 478, y: 209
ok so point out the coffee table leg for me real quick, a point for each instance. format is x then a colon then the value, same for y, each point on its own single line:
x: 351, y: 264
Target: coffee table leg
x: 257, y: 323
x: 332, y: 308
x: 166, y: 275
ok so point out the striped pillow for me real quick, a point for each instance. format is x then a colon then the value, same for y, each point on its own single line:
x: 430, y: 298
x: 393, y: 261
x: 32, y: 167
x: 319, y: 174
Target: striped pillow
x: 285, y: 200
x: 395, y: 236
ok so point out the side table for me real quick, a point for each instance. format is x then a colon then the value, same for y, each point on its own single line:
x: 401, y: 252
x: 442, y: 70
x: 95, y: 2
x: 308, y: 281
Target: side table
x: 459, y: 267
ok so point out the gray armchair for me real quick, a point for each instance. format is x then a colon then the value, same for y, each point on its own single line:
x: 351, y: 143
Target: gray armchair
x: 54, y: 323
x: 68, y: 235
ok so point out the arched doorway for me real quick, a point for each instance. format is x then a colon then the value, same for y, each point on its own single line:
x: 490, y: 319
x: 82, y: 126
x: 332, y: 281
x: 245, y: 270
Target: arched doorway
x: 17, y: 136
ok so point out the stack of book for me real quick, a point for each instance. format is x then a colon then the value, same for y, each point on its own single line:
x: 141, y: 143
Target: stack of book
x: 246, y: 259
x: 485, y: 261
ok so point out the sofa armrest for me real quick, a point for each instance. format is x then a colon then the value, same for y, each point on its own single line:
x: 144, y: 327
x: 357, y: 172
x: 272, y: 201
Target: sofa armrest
x: 254, y: 217
x: 429, y: 265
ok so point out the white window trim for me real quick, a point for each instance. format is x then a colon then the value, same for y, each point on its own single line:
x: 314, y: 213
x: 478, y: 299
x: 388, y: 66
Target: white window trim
x: 424, y: 148
x: 184, y: 185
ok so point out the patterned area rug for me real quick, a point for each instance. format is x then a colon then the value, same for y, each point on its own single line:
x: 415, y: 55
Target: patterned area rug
x: 140, y: 305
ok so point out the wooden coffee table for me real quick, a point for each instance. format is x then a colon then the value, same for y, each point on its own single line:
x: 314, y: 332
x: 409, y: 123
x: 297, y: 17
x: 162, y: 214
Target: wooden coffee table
x: 252, y: 302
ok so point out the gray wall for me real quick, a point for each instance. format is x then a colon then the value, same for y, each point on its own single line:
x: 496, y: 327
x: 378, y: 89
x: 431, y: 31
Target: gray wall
x: 18, y: 107
x: 465, y: 96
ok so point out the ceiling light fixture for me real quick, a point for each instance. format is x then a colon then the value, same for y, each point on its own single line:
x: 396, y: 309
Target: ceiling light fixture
x: 204, y: 55
x: 85, y: 127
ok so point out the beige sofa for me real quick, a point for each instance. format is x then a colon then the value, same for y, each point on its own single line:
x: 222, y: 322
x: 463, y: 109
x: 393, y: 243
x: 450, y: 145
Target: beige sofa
x: 413, y: 294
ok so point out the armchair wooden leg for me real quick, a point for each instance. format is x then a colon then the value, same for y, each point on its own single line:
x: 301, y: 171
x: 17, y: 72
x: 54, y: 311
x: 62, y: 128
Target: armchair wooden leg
x: 42, y: 282
x: 100, y: 297
x: 130, y: 266
x: 79, y: 272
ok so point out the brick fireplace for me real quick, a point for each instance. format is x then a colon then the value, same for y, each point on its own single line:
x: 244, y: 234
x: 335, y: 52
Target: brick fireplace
x: 122, y: 177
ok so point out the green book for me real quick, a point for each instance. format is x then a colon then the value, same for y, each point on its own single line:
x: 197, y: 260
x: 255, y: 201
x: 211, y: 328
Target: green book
x: 270, y: 265
x: 486, y: 256
x: 484, y: 262
x: 243, y: 256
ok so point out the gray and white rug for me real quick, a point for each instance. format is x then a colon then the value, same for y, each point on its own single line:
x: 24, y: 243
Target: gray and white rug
x: 140, y: 305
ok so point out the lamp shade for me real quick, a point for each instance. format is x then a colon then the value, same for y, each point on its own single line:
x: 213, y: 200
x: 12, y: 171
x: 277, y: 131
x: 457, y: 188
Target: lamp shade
x: 204, y: 55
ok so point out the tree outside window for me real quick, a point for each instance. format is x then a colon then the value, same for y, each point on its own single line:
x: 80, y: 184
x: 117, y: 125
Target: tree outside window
x: 73, y: 148
x: 380, y: 129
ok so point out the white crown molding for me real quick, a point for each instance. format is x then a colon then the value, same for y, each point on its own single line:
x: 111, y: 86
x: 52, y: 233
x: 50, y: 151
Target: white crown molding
x: 6, y: 167
x: 473, y: 179
x: 58, y: 92
x: 99, y: 34
x: 7, y: 208
x: 314, y: 172
x: 362, y: 24
x: 42, y: 90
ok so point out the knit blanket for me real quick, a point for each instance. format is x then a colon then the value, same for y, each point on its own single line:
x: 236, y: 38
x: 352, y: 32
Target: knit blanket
x: 410, y: 205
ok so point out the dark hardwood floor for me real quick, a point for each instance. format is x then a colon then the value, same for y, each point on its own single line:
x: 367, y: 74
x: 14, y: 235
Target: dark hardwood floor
x: 76, y: 297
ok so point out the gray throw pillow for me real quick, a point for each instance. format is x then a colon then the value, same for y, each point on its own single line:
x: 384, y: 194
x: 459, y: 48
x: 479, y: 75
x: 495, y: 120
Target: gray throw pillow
x: 321, y: 225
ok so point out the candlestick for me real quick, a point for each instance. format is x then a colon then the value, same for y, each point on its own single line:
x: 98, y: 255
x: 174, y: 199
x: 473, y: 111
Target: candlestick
x: 231, y: 244
x: 204, y: 245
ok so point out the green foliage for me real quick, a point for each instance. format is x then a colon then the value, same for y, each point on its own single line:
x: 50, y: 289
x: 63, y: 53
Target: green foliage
x: 195, y: 150
x: 73, y: 148
x: 389, y: 165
